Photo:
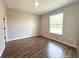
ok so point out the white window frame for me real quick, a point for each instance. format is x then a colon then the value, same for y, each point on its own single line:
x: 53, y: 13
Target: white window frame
x: 55, y: 30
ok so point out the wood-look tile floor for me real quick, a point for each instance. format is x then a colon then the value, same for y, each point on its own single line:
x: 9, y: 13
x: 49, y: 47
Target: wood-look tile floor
x: 37, y: 47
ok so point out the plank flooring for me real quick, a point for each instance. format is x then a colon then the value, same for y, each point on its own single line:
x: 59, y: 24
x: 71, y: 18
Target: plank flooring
x: 37, y: 47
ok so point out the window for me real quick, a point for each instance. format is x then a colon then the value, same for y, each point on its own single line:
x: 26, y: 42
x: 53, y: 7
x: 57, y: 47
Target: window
x: 56, y: 23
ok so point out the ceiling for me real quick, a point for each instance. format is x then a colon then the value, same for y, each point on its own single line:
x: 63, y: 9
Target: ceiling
x: 44, y: 5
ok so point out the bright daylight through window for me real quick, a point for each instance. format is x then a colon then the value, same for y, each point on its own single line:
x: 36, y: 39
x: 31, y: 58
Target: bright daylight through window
x: 56, y: 23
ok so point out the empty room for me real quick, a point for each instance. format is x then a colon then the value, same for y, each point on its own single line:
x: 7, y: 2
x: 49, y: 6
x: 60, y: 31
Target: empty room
x: 39, y: 28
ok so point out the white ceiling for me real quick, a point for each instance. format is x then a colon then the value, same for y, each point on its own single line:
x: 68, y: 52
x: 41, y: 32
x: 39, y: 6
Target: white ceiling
x: 44, y: 5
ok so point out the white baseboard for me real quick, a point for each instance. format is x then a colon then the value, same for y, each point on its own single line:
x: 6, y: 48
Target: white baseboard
x: 21, y: 38
x: 61, y: 42
x: 2, y: 51
x: 44, y: 36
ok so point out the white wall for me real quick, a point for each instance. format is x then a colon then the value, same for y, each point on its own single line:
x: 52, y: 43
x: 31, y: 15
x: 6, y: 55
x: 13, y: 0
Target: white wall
x: 70, y: 30
x: 78, y: 35
x: 2, y: 15
x: 21, y: 24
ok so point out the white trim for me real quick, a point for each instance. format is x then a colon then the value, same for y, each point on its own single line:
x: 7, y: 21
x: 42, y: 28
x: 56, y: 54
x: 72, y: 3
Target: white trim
x: 44, y: 36
x: 62, y: 42
x: 2, y: 51
x: 21, y: 38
